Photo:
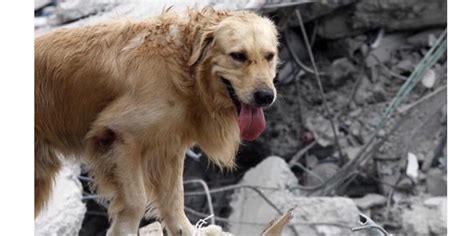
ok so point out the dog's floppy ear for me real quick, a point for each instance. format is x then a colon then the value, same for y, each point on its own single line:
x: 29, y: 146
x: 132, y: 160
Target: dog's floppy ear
x: 200, y: 48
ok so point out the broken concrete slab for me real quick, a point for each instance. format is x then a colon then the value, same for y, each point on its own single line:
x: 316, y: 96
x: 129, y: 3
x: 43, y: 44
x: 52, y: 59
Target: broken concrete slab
x: 399, y: 15
x: 370, y: 200
x: 340, y: 70
x: 438, y: 221
x: 275, y: 176
x: 70, y: 10
x: 336, y: 26
x: 332, y: 215
x: 39, y: 4
x: 315, y: 10
x: 155, y: 229
x: 391, y: 15
x: 415, y: 221
x: 426, y: 217
x: 387, y: 48
x: 65, y: 211
x: 248, y: 206
x: 425, y: 38
x: 321, y: 172
x: 321, y: 129
x: 436, y: 183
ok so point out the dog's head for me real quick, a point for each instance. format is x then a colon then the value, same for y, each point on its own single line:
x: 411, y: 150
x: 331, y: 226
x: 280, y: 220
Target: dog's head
x: 237, y: 59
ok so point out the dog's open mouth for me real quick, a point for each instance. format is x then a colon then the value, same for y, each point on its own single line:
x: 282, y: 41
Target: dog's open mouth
x: 251, y: 119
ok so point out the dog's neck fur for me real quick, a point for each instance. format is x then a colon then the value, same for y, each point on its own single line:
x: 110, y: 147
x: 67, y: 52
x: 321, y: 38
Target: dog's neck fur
x: 218, y: 130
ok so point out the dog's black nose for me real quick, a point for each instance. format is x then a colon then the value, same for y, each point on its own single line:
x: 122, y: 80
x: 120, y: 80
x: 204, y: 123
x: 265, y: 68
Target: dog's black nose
x: 263, y: 97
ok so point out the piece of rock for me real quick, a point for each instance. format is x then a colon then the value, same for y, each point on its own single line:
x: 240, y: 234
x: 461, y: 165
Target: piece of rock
x: 423, y: 38
x: 352, y: 152
x: 437, y: 223
x: 436, y: 183
x: 309, y: 12
x: 42, y: 3
x: 386, y: 49
x: 412, y: 166
x: 336, y: 26
x: 415, y: 221
x: 405, y: 184
x: 399, y: 15
x: 65, y: 210
x: 370, y: 200
x: 426, y: 217
x: 338, y: 210
x: 404, y: 66
x: 70, y: 10
x: 340, y: 70
x: 429, y: 79
x: 322, y: 171
x: 274, y: 172
x: 153, y: 229
x: 321, y: 128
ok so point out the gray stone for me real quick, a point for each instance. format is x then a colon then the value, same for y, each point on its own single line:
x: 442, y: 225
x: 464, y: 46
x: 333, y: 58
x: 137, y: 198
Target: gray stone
x: 415, y: 221
x: 437, y: 222
x: 370, y: 200
x: 338, y: 210
x: 248, y: 206
x: 273, y: 172
x: 321, y: 128
x: 322, y: 171
x: 315, y: 10
x: 352, y: 152
x: 436, y: 183
x: 41, y: 3
x: 426, y: 217
x: 65, y: 210
x: 155, y: 229
x: 340, y: 70
x: 399, y: 15
x: 386, y: 49
x: 336, y: 26
x: 424, y: 38
x: 70, y: 10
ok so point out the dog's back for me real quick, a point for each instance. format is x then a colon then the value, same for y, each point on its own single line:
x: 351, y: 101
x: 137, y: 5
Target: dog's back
x: 72, y: 85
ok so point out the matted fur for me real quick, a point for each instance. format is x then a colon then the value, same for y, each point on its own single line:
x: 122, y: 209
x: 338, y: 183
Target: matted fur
x: 132, y: 97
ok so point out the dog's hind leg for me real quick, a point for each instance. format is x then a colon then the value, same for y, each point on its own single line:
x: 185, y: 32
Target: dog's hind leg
x: 166, y: 178
x: 47, y: 166
x: 115, y: 162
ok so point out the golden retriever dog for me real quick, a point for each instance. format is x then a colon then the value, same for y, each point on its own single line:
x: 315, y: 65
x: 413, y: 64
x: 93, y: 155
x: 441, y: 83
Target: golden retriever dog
x: 129, y: 98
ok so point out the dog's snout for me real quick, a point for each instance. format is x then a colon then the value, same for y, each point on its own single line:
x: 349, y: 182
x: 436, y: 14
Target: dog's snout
x: 263, y: 97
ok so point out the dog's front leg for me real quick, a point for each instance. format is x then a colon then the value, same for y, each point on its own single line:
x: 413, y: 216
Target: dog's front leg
x: 170, y: 199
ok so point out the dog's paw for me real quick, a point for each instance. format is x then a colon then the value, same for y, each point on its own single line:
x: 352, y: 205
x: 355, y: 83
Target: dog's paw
x: 211, y: 230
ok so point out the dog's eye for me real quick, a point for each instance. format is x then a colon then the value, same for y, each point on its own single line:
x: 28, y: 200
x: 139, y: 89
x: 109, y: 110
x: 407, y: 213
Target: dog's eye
x: 269, y: 56
x: 238, y: 56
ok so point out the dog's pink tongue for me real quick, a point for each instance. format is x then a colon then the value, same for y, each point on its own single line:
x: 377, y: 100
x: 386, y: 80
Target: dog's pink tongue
x: 251, y: 122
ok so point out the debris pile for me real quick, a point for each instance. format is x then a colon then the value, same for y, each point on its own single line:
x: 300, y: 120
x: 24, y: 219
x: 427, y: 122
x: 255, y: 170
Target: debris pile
x: 324, y: 215
x: 327, y: 117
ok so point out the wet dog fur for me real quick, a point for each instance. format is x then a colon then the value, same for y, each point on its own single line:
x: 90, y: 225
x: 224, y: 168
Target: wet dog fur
x: 129, y: 98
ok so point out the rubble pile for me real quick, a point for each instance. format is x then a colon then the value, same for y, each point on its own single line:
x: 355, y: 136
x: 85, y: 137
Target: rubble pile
x: 365, y: 50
